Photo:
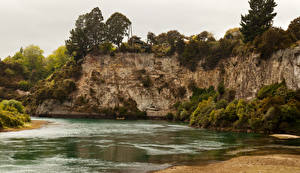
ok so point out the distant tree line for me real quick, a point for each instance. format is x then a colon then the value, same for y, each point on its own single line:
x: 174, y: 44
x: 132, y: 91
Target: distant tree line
x: 256, y: 34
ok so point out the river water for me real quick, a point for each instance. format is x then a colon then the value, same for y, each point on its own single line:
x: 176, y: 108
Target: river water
x: 71, y: 146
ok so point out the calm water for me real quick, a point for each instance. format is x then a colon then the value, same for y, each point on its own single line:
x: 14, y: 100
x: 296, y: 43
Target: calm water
x: 71, y: 146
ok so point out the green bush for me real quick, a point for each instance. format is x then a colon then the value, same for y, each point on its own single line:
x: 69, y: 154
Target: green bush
x: 221, y: 104
x: 256, y: 123
x: 218, y: 118
x: 276, y: 110
x: 271, y: 41
x: 106, y: 48
x: 24, y: 85
x: 294, y: 29
x: 201, y: 115
x: 269, y: 90
x: 12, y: 114
x: 9, y: 72
x: 8, y: 105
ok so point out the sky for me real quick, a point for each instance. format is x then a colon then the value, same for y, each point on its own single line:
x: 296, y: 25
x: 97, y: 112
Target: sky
x: 47, y: 23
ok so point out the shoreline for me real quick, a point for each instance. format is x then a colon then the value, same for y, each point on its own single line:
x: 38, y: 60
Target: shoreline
x: 34, y: 124
x: 270, y: 163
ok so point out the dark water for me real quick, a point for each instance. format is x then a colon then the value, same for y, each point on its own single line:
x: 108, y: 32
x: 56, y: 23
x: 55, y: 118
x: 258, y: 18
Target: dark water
x: 71, y: 146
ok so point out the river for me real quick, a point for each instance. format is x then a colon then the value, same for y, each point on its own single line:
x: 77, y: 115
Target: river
x: 79, y: 145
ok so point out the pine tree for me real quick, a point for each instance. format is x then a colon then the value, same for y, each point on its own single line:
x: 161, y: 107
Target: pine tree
x: 259, y: 19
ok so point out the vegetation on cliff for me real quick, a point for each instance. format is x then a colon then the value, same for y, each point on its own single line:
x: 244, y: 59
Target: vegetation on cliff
x: 256, y: 35
x: 276, y: 109
x: 54, y: 77
x: 26, y: 68
x: 12, y: 114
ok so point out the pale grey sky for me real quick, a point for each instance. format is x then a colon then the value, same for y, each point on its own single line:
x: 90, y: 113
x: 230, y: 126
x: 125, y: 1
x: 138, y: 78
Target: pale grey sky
x: 47, y: 23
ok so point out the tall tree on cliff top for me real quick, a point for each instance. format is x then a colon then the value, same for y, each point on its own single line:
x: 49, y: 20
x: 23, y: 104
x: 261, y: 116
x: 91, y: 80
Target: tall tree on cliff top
x: 118, y: 26
x: 259, y: 19
x: 89, y: 33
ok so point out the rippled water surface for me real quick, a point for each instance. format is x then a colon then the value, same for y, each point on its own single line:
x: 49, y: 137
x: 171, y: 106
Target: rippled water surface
x: 115, y: 146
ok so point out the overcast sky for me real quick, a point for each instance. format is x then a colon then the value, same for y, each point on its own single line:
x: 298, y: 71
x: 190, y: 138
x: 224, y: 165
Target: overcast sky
x: 47, y: 23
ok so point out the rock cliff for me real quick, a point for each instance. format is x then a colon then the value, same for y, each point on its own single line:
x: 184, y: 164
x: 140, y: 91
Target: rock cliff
x: 155, y: 84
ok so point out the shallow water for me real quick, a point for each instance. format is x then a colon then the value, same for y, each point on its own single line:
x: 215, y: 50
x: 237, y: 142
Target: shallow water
x: 71, y: 146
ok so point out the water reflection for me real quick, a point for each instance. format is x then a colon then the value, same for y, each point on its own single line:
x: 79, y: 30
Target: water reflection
x: 118, y: 146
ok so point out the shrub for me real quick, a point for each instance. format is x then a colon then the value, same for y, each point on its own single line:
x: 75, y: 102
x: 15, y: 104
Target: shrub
x: 24, y: 85
x: 69, y: 85
x: 269, y: 90
x: 229, y: 95
x: 184, y: 115
x: 256, y: 123
x: 221, y: 104
x: 272, y: 119
x: 271, y: 41
x: 231, y: 111
x: 290, y: 112
x: 170, y: 116
x: 221, y: 88
x: 106, y: 48
x: 161, y: 50
x: 12, y: 114
x: 218, y: 118
x: 7, y: 105
x: 9, y: 72
x: 147, y: 81
x: 200, y: 116
x: 179, y: 92
x: 294, y: 29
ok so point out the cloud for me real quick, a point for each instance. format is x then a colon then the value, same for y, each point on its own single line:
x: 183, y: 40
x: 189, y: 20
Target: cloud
x: 47, y: 23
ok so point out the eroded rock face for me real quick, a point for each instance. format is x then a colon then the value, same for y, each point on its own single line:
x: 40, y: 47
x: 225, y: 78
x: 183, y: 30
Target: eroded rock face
x: 155, y: 83
x: 248, y: 75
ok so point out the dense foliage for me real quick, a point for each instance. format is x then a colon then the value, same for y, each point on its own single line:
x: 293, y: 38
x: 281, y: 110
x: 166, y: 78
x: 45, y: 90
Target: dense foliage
x: 57, y: 86
x: 26, y: 68
x: 88, y: 35
x: 276, y: 109
x: 12, y: 114
x: 91, y: 31
x: 294, y: 29
x: 255, y: 35
x: 117, y: 27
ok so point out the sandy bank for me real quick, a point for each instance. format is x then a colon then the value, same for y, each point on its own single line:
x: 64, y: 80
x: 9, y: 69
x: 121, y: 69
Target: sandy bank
x: 285, y: 136
x: 35, y: 124
x: 246, y: 164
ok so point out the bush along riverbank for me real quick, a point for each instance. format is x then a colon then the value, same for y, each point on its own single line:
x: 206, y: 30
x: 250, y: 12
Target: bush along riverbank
x: 274, y: 110
x: 12, y: 114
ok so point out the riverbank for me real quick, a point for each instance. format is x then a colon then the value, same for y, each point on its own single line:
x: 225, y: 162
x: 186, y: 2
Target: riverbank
x: 34, y: 124
x: 276, y: 163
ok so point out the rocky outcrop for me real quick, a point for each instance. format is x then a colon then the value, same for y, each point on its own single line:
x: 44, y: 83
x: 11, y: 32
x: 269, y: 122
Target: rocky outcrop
x: 156, y: 84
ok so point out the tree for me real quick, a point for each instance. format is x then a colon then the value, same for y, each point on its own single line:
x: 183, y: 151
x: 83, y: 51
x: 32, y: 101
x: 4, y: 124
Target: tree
x: 89, y: 33
x: 117, y: 26
x: 294, y: 29
x: 34, y: 62
x: 272, y: 40
x: 151, y: 38
x: 57, y: 59
x: 233, y: 34
x: 259, y: 19
x: 205, y: 36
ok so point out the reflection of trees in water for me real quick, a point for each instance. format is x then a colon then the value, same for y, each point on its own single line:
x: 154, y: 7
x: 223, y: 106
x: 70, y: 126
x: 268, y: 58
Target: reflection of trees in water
x: 124, y: 154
